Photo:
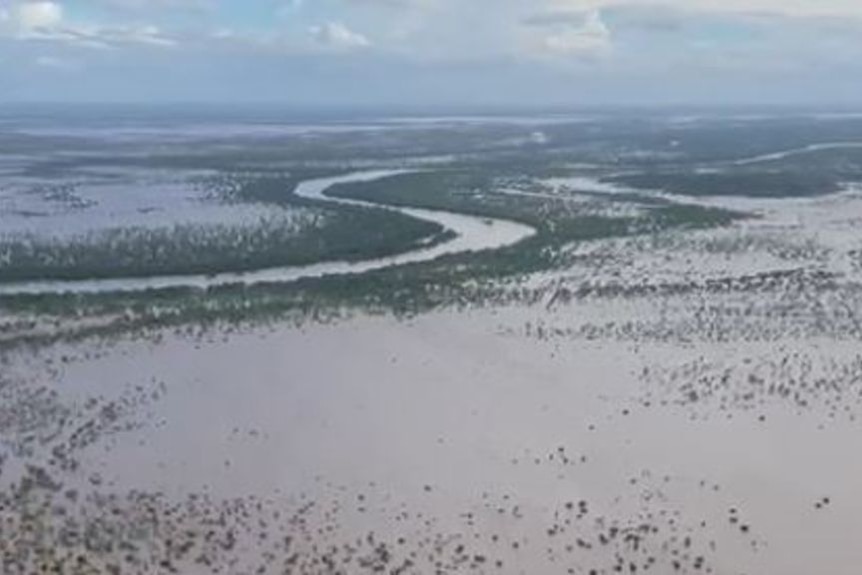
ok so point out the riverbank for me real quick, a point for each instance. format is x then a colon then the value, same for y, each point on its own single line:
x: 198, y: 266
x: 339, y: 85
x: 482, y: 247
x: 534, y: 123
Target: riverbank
x: 467, y: 234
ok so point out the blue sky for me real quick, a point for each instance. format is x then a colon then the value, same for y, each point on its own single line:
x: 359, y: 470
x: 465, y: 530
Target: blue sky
x: 433, y: 52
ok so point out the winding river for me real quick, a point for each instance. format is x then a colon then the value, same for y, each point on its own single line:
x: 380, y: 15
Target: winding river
x: 471, y: 234
x: 797, y: 152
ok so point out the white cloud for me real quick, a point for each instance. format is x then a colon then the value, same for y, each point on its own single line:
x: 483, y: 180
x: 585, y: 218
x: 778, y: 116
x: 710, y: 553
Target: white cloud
x: 38, y: 15
x: 572, y: 34
x: 336, y: 35
x: 45, y: 21
x: 103, y: 37
x: 151, y: 35
x: 796, y: 8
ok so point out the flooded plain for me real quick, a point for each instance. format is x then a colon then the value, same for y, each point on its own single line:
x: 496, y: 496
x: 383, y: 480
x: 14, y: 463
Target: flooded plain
x: 662, y: 400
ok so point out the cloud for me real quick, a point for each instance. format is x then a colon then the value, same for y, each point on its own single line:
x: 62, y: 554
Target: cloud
x: 464, y: 48
x: 570, y: 34
x: 103, y: 37
x: 792, y: 8
x: 45, y: 21
x: 336, y: 35
x: 38, y: 15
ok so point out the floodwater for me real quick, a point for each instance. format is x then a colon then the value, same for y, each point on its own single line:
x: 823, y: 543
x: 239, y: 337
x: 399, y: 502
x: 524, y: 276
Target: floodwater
x: 86, y: 203
x: 471, y: 234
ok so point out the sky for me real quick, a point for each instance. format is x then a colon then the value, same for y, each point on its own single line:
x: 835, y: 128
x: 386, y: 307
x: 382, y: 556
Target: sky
x: 433, y: 52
